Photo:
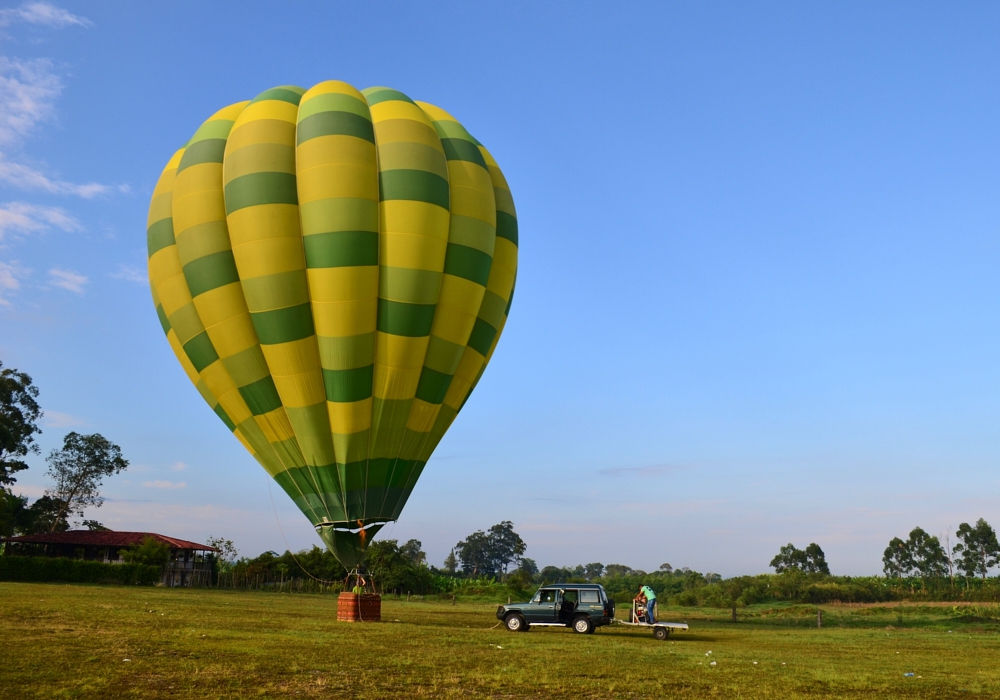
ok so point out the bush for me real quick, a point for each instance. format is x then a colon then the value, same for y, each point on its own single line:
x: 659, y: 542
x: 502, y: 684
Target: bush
x: 61, y: 569
x: 150, y: 552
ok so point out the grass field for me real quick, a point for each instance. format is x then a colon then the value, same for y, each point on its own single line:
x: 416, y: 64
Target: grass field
x: 119, y: 642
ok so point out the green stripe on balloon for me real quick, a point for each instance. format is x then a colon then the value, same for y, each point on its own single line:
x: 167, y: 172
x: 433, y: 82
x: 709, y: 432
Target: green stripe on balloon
x: 283, y: 325
x: 415, y: 185
x: 341, y: 249
x: 160, y: 235
x: 210, y: 272
x: 260, y: 188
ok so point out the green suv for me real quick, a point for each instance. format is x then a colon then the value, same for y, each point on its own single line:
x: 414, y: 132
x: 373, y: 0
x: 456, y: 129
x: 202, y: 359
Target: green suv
x: 582, y: 606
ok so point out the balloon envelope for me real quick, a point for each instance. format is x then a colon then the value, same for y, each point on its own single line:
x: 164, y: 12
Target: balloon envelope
x: 333, y: 269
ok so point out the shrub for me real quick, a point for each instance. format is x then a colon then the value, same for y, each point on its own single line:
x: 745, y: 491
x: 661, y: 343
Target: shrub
x: 66, y: 570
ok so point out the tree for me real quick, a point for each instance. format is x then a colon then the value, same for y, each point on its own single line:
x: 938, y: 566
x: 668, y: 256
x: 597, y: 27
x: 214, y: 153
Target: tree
x: 78, y: 470
x: 451, y: 563
x: 227, y: 555
x: 926, y: 554
x: 788, y: 557
x: 816, y: 560
x: 413, y: 553
x: 490, y: 553
x: 474, y: 554
x: 666, y: 568
x: 151, y: 552
x: 618, y: 570
x: 19, y: 414
x: 391, y: 570
x: 594, y: 570
x: 94, y: 526
x: 978, y: 550
x: 505, y: 545
x: 528, y: 566
x: 13, y: 510
x: 812, y: 560
x: 896, y: 560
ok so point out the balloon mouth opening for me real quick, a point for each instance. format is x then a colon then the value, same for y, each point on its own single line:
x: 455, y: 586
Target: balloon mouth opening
x: 355, y: 527
x: 348, y: 541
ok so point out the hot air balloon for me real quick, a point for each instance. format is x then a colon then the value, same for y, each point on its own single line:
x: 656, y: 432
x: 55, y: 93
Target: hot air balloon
x: 333, y: 269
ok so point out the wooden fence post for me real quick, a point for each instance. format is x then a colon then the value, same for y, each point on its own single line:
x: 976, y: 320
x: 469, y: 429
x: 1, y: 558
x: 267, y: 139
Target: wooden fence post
x: 819, y: 617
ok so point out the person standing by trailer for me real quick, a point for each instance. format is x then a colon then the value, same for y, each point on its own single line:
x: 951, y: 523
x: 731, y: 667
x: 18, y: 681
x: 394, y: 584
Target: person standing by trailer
x: 648, y: 595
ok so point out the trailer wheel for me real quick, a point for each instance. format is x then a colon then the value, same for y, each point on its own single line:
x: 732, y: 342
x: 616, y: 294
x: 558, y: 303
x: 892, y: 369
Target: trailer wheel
x: 583, y: 625
x: 660, y: 633
x: 515, y: 623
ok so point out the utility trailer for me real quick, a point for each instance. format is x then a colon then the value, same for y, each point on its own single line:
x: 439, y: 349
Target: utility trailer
x: 661, y: 630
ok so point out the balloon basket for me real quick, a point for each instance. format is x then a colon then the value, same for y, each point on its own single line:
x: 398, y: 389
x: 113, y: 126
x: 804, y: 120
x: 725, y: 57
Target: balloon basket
x: 354, y: 607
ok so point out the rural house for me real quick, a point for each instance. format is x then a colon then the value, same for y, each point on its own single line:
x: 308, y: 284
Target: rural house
x: 187, y: 565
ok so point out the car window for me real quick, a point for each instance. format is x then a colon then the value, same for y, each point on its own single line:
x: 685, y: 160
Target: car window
x: 547, y: 596
x: 590, y: 597
x: 537, y: 598
x: 571, y: 596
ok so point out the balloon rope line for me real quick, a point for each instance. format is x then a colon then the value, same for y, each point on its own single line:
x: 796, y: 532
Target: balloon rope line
x: 287, y: 546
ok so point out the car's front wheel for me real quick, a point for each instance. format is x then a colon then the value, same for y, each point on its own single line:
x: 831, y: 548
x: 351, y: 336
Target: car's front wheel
x: 515, y: 623
x: 583, y: 625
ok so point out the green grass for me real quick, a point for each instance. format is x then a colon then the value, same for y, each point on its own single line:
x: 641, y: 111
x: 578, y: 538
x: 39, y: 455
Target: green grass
x: 72, y: 641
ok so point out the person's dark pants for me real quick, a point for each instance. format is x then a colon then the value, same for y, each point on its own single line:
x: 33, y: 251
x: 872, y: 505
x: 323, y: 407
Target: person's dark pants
x: 650, y: 616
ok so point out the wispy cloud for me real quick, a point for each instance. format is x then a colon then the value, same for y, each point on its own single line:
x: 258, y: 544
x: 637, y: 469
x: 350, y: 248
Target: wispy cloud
x: 42, y: 13
x: 164, y: 484
x: 131, y: 273
x: 651, y: 470
x: 21, y: 218
x: 25, y: 177
x: 178, y: 466
x: 55, y: 419
x: 11, y: 275
x: 28, y: 92
x: 67, y: 279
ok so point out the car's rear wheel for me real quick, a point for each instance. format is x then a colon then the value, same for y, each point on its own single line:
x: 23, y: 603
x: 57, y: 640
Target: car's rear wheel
x: 583, y: 625
x: 515, y: 623
x: 661, y: 633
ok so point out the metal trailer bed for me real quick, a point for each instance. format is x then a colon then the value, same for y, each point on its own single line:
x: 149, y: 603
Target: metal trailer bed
x: 661, y: 630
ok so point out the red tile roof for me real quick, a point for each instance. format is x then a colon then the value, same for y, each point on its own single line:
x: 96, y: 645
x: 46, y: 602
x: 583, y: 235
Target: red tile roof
x: 107, y: 538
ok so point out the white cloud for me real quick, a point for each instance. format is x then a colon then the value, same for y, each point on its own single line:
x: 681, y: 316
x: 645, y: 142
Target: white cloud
x: 164, y: 484
x: 28, y: 91
x: 25, y: 177
x: 131, y: 273
x: 11, y: 275
x: 66, y: 279
x: 178, y: 466
x: 55, y: 419
x: 21, y: 217
x: 42, y: 13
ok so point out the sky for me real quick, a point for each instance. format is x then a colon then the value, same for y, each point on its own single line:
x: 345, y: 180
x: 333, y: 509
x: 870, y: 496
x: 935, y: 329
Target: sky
x: 757, y: 291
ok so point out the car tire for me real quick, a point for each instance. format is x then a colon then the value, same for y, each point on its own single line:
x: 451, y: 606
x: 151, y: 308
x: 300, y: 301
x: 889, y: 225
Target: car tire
x: 583, y: 625
x: 661, y: 633
x: 515, y: 623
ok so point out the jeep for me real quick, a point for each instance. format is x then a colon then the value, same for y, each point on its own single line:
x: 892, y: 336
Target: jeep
x: 582, y: 606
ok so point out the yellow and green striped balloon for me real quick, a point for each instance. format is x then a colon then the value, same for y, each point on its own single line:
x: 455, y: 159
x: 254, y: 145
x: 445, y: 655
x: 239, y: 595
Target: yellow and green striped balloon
x: 333, y: 268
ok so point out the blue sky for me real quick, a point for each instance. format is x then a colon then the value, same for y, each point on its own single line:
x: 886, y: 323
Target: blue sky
x: 757, y: 299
